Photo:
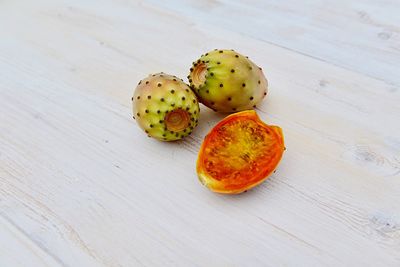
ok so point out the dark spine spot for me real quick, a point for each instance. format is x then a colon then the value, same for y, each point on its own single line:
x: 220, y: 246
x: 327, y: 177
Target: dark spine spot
x: 218, y: 62
x: 236, y: 56
x: 151, y: 125
x: 162, y: 99
x: 232, y: 70
x: 138, y: 97
x: 207, y: 91
x: 229, y: 98
x: 221, y: 85
x: 259, y: 81
x: 158, y: 111
x: 183, y: 98
x: 194, y: 101
x: 149, y: 97
x: 220, y: 51
x: 187, y: 90
x: 251, y: 98
x: 161, y: 121
x: 147, y: 111
x: 159, y: 84
x: 173, y: 105
x: 191, y: 69
x: 138, y: 114
x: 132, y: 98
x: 174, y: 80
x: 211, y: 73
x: 147, y: 82
x: 190, y: 80
x: 243, y: 84
x: 172, y: 91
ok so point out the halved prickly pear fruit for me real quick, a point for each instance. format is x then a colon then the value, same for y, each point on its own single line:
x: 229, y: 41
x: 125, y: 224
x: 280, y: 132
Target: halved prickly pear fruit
x: 239, y: 153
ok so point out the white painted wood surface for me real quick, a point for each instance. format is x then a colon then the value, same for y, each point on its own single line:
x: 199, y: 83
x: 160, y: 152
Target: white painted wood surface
x: 81, y: 185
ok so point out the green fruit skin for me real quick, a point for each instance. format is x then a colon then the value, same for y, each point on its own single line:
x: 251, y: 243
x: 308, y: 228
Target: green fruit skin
x: 233, y: 82
x: 157, y: 95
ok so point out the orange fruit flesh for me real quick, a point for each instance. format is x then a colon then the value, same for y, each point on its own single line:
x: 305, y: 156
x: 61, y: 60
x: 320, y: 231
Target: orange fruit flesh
x: 239, y: 153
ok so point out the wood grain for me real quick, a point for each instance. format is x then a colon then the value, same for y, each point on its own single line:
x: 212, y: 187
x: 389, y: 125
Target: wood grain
x: 81, y: 184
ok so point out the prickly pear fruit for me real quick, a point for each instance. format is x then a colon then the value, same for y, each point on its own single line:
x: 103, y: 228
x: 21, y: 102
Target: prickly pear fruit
x: 165, y: 107
x: 227, y: 81
x: 239, y: 153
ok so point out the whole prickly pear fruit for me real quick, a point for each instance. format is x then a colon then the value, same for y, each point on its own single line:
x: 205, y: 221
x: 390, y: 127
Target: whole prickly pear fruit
x: 165, y: 107
x: 227, y: 81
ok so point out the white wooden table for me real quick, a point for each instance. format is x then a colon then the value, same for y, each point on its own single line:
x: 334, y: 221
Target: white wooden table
x: 82, y: 185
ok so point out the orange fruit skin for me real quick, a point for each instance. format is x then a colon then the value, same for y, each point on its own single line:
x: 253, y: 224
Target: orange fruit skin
x: 239, y: 153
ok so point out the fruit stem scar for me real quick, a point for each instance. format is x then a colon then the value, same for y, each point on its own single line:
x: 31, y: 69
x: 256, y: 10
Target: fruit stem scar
x: 199, y: 74
x: 177, y: 120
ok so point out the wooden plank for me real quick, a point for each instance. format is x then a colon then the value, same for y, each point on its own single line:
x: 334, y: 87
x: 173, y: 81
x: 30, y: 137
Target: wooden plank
x: 362, y: 36
x: 85, y: 186
x: 16, y: 249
